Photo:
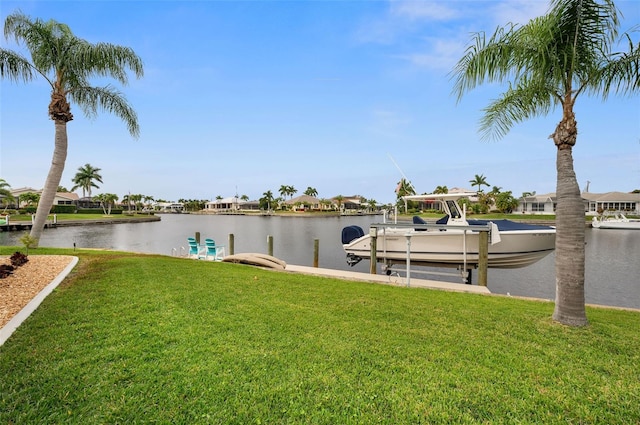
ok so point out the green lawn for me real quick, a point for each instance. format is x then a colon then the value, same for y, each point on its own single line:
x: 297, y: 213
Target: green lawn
x: 151, y: 339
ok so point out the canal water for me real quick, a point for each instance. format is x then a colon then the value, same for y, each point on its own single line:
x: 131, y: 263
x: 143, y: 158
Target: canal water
x: 612, y: 265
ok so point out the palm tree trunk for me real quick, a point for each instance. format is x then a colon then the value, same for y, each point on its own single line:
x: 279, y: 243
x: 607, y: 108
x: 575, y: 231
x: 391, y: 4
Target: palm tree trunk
x: 53, y: 180
x: 570, y: 257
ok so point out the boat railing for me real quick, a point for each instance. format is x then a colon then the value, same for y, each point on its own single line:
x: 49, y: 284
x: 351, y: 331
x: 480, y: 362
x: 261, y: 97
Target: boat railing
x: 483, y: 245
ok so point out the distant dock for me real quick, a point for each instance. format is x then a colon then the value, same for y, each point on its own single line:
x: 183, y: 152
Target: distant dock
x: 22, y: 225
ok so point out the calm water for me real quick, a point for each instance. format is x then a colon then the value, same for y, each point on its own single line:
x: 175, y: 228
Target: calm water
x: 612, y: 269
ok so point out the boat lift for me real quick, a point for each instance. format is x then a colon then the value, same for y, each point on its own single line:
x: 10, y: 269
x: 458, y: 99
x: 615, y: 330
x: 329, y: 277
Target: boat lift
x: 465, y: 270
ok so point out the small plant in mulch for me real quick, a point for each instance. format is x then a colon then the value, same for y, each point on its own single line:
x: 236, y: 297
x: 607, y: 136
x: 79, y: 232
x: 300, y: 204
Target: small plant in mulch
x: 28, y: 242
x: 18, y: 259
x: 6, y: 270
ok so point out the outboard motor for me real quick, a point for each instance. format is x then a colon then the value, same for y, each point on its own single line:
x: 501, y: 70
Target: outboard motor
x: 350, y: 233
x: 353, y: 259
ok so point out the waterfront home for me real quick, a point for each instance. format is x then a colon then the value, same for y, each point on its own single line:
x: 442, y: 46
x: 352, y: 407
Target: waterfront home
x: 594, y: 203
x: 168, y: 207
x: 612, y: 201
x: 61, y: 198
x: 304, y: 203
x: 230, y: 204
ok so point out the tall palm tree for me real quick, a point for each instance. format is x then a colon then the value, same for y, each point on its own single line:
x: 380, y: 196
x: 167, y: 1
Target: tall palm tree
x: 85, y: 177
x: 549, y: 63
x: 291, y: 191
x: 479, y: 180
x: 67, y: 63
x: 284, y: 190
x: 267, y: 199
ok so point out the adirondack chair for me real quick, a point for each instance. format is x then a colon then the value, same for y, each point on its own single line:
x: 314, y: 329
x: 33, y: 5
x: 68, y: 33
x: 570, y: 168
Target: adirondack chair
x: 194, y: 249
x: 213, y: 251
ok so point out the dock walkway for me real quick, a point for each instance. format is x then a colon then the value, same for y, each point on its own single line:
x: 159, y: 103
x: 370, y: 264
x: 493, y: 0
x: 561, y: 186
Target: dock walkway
x: 387, y: 280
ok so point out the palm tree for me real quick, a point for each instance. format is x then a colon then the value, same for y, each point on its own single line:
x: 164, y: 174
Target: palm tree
x: 107, y: 200
x: 67, y: 62
x: 136, y: 200
x: 505, y: 202
x: 267, y: 199
x: 479, y: 180
x: 404, y: 188
x: 441, y: 189
x: 84, y: 179
x: 5, y: 193
x: 284, y: 190
x: 148, y: 201
x: 549, y: 63
x: 311, y: 191
x: 339, y: 200
x: 31, y: 198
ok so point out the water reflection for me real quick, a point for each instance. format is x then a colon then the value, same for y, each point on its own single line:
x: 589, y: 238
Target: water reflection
x: 612, y: 267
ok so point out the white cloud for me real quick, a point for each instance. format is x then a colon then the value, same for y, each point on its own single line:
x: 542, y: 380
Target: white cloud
x: 423, y: 10
x: 517, y: 11
x: 439, y: 54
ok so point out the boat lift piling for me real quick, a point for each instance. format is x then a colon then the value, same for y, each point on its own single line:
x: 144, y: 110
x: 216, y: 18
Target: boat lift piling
x: 483, y: 248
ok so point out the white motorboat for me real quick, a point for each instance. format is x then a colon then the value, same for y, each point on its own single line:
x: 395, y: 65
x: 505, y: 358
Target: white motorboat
x: 452, y: 241
x: 616, y: 221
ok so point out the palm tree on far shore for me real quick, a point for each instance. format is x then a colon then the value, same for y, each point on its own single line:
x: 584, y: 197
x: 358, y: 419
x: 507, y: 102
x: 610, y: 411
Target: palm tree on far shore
x: 479, y: 180
x: 441, y: 189
x: 66, y: 63
x: 267, y: 198
x: 548, y: 63
x: 84, y: 179
x: 5, y: 193
x: 311, y: 191
x: 107, y: 200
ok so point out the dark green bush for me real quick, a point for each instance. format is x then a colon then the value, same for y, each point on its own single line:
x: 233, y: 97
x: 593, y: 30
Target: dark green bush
x: 63, y: 209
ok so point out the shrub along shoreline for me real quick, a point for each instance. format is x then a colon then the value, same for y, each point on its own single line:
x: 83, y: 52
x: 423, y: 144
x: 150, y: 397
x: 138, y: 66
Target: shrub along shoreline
x: 130, y: 338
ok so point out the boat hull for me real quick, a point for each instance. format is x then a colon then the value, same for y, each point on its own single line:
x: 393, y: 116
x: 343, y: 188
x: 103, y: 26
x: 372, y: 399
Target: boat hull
x: 454, y: 248
x: 623, y: 225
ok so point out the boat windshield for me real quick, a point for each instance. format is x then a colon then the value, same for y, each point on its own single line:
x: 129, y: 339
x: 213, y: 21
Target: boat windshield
x: 452, y: 206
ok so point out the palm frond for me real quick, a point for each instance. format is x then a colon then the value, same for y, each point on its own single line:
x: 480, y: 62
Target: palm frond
x: 92, y: 99
x: 14, y: 66
x: 620, y: 73
x: 514, y: 106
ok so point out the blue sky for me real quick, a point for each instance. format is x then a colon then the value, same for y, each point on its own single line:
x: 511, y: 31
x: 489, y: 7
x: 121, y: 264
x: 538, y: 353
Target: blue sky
x: 245, y: 96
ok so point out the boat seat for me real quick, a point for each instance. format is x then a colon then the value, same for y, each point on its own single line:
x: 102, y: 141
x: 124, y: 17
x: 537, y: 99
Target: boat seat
x: 443, y: 220
x: 419, y: 220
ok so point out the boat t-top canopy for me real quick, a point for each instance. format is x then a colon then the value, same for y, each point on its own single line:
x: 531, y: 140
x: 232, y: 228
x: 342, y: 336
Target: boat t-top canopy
x: 439, y: 196
x: 456, y: 215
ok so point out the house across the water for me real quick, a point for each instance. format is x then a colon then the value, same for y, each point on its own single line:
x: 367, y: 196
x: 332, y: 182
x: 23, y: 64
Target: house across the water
x: 594, y: 203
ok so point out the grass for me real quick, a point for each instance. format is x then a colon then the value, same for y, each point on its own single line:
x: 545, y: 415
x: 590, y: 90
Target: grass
x: 150, y: 339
